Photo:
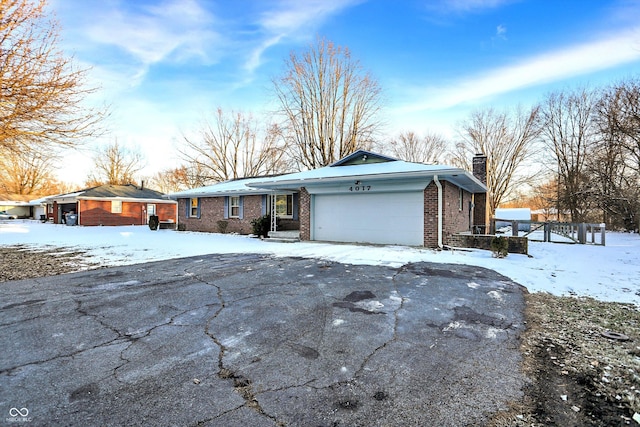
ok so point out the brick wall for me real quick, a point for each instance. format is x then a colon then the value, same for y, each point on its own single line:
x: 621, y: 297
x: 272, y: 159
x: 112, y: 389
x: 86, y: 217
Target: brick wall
x: 480, y: 217
x: 167, y: 211
x: 98, y: 212
x: 304, y: 215
x: 480, y: 210
x: 212, y: 211
x: 454, y: 220
x: 431, y: 216
x: 517, y: 245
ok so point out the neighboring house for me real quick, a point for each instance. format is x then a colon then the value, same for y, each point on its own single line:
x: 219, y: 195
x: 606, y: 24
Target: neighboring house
x: 112, y: 205
x: 550, y: 214
x: 38, y: 208
x: 362, y: 198
x: 16, y: 204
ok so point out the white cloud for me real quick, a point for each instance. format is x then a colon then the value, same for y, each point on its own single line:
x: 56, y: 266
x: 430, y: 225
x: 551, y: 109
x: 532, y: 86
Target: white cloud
x: 501, y: 32
x: 153, y: 33
x: 467, y: 5
x: 616, y: 50
x: 290, y: 18
x: 171, y: 30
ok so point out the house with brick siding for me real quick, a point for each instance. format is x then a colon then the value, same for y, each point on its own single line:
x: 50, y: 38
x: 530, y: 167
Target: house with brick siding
x: 363, y: 198
x: 230, y: 207
x: 111, y: 205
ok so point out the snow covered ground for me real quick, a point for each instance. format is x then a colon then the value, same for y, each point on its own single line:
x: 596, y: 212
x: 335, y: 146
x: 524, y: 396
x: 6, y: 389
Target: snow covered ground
x: 610, y: 273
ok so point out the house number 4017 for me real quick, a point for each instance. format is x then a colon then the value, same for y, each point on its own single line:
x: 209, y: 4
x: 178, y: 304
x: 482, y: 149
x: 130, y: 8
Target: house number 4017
x: 360, y: 188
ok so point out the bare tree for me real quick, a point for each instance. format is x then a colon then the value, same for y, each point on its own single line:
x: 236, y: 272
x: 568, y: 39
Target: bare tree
x: 570, y: 135
x: 619, y: 110
x: 116, y: 165
x: 329, y: 104
x: 614, y: 161
x: 177, y: 179
x: 40, y: 88
x: 408, y: 146
x: 508, y: 141
x: 28, y: 172
x: 230, y: 148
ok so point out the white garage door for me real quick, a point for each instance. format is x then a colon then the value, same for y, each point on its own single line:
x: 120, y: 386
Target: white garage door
x: 388, y: 218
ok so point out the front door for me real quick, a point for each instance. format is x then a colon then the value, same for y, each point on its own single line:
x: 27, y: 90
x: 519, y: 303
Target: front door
x: 151, y: 210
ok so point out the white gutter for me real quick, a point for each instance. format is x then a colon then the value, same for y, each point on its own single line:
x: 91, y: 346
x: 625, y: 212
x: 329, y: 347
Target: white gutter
x: 439, y: 185
x: 349, y: 177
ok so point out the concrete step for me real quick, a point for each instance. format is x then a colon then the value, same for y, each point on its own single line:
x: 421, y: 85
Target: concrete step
x: 287, y: 236
x: 281, y: 240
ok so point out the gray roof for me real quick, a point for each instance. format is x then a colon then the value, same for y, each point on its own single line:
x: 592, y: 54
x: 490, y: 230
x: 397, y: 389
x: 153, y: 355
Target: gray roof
x: 236, y: 187
x: 359, y: 165
x: 388, y: 170
x: 128, y: 191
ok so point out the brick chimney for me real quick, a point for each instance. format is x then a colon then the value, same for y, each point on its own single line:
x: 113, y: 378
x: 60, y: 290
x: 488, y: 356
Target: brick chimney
x: 480, y: 208
x: 480, y: 167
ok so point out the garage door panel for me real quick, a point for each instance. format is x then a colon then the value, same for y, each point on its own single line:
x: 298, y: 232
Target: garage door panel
x: 387, y: 218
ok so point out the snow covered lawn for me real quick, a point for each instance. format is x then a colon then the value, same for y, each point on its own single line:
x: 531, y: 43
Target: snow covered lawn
x: 610, y: 273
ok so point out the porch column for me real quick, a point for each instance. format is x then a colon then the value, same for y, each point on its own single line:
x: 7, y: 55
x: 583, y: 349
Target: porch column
x: 273, y: 212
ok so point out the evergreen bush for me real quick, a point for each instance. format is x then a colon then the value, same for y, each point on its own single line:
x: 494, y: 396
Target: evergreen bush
x: 262, y: 225
x: 500, y: 246
x: 222, y: 226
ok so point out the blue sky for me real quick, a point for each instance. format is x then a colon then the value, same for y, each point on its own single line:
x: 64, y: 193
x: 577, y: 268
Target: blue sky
x: 163, y: 65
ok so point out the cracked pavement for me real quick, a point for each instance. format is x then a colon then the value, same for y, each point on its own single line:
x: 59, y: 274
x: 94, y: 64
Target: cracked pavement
x: 231, y: 340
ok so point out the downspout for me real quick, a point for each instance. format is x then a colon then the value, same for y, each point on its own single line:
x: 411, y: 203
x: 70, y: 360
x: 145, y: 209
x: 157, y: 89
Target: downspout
x: 439, y: 185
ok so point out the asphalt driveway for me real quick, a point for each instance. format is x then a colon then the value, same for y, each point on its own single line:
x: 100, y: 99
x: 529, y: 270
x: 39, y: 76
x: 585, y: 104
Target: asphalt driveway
x: 251, y: 340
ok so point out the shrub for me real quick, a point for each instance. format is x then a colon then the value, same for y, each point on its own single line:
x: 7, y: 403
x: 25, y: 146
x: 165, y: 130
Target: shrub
x: 500, y: 246
x: 262, y: 225
x: 222, y: 226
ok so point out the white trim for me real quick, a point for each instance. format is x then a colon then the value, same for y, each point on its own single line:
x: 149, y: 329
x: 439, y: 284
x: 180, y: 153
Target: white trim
x: 231, y: 206
x: 439, y: 185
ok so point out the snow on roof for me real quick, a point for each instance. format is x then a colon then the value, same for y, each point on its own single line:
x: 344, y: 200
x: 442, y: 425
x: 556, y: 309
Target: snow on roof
x: 238, y: 186
x: 384, y: 170
x: 394, y: 167
x: 513, y: 213
x: 387, y: 169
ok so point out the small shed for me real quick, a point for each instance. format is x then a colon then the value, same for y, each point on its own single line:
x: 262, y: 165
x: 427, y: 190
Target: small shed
x: 513, y: 214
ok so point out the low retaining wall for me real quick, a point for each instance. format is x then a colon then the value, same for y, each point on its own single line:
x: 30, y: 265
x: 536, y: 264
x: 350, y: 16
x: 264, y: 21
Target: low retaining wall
x: 517, y: 245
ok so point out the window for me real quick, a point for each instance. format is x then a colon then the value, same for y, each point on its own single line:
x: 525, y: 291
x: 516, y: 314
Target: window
x: 193, y: 208
x: 234, y: 211
x: 460, y: 199
x: 116, y: 206
x: 284, y: 205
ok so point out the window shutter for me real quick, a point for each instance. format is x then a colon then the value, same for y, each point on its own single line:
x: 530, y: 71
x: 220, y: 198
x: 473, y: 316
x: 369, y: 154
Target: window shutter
x: 295, y: 207
x: 188, y: 210
x: 198, y: 209
x: 263, y: 210
x: 241, y: 207
x: 226, y: 207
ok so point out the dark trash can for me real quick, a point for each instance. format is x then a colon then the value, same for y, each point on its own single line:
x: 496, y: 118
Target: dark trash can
x: 153, y: 222
x: 72, y: 219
